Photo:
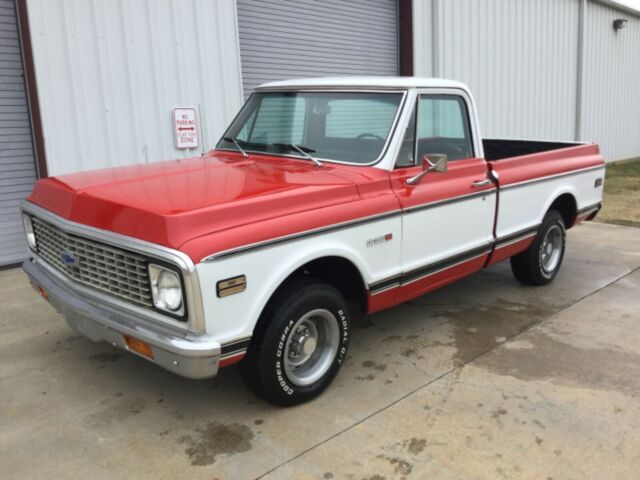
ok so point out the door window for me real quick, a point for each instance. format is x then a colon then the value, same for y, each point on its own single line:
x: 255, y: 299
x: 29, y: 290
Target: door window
x: 443, y: 127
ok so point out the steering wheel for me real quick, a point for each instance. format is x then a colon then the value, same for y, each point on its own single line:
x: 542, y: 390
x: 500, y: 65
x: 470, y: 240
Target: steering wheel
x: 369, y: 135
x: 451, y: 150
x: 459, y: 150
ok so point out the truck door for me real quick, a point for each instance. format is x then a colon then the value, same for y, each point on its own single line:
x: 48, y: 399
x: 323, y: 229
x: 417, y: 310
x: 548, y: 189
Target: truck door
x: 447, y: 217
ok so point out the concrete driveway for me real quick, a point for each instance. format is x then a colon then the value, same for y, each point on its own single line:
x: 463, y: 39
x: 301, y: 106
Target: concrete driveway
x: 483, y: 379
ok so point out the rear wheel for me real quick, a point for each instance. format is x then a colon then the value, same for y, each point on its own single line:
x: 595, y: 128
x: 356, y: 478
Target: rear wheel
x: 540, y: 263
x: 299, y: 343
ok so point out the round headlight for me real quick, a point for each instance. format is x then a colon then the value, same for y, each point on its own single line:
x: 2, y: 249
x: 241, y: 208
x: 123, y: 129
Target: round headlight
x: 166, y: 289
x: 28, y: 230
x: 170, y: 290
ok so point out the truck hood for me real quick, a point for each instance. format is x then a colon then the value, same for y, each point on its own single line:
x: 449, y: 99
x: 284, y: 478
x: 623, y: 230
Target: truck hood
x: 170, y: 203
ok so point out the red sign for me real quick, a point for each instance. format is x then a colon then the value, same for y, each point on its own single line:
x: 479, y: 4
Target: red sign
x: 185, y: 127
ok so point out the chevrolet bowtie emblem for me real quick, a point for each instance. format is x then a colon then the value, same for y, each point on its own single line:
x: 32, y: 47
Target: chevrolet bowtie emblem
x: 69, y: 259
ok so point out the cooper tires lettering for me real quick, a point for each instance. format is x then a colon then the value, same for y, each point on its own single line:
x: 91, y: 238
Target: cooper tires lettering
x: 299, y: 344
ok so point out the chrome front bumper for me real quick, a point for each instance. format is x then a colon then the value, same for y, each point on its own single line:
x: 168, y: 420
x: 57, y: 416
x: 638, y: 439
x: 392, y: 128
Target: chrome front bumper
x: 180, y: 352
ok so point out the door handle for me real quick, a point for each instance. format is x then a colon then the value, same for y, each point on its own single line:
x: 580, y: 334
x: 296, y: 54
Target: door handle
x: 481, y: 183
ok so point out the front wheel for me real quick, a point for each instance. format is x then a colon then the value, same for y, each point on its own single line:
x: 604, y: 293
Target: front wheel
x: 299, y: 344
x: 540, y: 263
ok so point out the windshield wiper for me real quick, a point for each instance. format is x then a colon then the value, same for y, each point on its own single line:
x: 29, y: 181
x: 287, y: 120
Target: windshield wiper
x: 304, y: 151
x: 236, y: 142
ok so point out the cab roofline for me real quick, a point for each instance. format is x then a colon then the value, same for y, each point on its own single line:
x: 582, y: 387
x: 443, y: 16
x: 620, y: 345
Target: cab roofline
x: 369, y: 82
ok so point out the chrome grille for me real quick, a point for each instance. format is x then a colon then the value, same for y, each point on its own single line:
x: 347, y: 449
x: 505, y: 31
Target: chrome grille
x: 102, y: 267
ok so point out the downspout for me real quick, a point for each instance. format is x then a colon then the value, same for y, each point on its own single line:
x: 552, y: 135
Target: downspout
x: 405, y: 37
x: 435, y: 38
x: 580, y: 67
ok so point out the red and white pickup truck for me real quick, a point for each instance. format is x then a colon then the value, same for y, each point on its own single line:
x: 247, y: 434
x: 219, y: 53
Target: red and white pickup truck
x: 326, y: 199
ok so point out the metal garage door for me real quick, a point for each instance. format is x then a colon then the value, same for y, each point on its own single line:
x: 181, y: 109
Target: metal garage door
x: 281, y: 39
x: 17, y: 165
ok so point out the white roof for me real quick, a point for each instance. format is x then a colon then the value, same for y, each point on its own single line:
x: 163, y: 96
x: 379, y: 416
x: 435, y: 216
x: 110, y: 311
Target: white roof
x: 367, y: 82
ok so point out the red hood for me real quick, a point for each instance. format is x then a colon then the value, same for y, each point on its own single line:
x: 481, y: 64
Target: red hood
x: 172, y: 202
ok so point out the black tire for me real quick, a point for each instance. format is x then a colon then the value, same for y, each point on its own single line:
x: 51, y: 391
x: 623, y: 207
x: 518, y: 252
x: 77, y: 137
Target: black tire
x: 529, y: 266
x: 263, y: 368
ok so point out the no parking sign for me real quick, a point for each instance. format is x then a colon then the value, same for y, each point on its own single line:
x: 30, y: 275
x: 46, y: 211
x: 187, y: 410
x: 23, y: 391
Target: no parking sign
x: 185, y: 127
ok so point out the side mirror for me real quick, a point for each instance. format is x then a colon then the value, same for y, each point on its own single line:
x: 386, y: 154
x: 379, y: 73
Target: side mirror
x: 437, y: 162
x: 430, y: 162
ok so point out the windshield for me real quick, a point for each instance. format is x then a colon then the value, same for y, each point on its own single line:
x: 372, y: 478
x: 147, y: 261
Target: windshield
x: 343, y: 126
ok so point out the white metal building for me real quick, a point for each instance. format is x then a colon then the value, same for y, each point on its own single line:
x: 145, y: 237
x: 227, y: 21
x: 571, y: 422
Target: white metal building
x: 86, y: 84
x: 546, y: 69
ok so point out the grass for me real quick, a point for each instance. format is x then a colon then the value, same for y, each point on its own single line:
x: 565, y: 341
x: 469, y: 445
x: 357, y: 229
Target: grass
x: 622, y: 194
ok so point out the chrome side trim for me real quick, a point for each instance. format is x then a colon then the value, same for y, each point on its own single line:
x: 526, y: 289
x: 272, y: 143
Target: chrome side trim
x: 447, y: 266
x: 589, y: 209
x: 296, y: 236
x: 411, y: 276
x: 406, y: 278
x: 340, y: 226
x: 459, y: 198
x: 551, y: 177
x: 195, y: 322
x: 386, y: 284
x: 234, y: 348
x: 515, y: 240
x: 516, y: 236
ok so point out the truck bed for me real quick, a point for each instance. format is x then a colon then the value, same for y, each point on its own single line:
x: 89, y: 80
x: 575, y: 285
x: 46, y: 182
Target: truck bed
x: 517, y: 161
x: 497, y: 149
x: 533, y: 174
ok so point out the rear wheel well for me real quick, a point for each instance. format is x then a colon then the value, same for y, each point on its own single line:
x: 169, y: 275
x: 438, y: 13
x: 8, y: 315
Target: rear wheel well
x: 566, y: 206
x: 342, y: 274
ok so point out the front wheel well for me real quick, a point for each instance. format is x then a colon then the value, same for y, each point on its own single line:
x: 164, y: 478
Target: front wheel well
x: 566, y: 206
x: 340, y: 273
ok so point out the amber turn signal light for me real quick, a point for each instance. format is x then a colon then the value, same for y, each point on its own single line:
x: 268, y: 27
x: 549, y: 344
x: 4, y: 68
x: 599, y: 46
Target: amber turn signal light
x: 143, y: 348
x: 229, y: 286
x: 43, y: 293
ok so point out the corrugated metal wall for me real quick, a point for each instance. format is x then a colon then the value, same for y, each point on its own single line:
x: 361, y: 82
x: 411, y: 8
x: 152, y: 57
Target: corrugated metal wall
x: 17, y: 164
x: 517, y: 56
x: 109, y: 74
x: 281, y: 39
x: 520, y: 59
x: 611, y: 89
x: 423, y: 36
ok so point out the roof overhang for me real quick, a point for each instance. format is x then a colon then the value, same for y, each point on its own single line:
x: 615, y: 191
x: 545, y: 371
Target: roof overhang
x: 619, y: 6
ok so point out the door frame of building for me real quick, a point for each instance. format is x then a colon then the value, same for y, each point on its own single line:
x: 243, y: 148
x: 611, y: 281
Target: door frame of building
x: 37, y: 135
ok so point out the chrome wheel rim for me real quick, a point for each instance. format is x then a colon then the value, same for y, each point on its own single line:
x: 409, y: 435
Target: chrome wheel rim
x: 311, y: 347
x: 551, y: 249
